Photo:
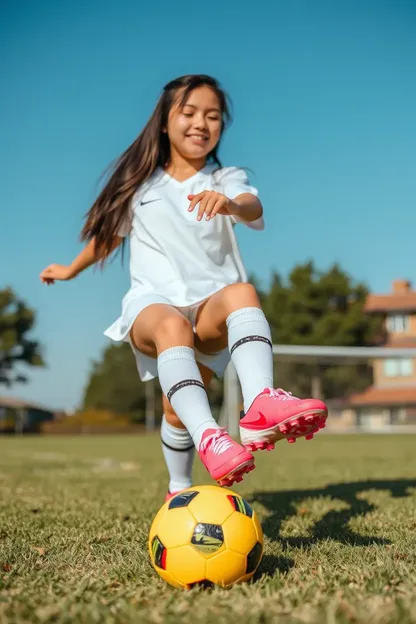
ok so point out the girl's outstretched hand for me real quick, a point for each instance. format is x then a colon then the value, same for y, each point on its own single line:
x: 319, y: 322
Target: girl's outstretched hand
x: 210, y: 204
x: 56, y: 272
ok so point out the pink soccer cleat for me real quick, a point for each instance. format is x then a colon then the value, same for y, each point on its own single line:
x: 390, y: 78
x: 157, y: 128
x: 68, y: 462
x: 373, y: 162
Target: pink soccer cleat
x: 276, y: 414
x: 226, y: 460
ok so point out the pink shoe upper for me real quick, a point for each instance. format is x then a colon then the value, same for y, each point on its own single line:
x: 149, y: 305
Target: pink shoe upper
x: 273, y: 407
x: 225, y: 459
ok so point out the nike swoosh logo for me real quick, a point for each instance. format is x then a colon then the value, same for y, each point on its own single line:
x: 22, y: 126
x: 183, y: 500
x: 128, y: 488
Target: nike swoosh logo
x: 260, y: 421
x: 150, y: 201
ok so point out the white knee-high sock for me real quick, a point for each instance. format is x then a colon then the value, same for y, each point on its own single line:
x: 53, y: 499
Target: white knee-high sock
x: 250, y: 345
x: 182, y: 383
x: 179, y: 451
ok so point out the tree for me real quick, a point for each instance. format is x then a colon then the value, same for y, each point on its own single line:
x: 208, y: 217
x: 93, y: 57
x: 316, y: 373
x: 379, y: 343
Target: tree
x: 310, y: 308
x: 16, y: 320
x: 320, y: 308
x: 114, y: 384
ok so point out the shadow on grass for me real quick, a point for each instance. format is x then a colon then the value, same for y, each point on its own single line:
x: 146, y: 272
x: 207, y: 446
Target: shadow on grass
x: 270, y: 563
x: 334, y: 524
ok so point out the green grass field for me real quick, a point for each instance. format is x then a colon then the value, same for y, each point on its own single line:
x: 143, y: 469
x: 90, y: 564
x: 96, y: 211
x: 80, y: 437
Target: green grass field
x: 338, y: 513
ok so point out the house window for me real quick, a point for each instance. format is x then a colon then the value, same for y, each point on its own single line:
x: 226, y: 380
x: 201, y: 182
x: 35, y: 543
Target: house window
x: 400, y: 367
x: 398, y: 323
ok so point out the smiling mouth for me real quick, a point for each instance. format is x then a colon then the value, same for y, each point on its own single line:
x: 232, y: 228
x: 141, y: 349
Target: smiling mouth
x: 200, y: 138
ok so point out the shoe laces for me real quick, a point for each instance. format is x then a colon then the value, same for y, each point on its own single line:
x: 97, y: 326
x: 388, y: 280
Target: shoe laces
x: 219, y: 442
x: 281, y: 394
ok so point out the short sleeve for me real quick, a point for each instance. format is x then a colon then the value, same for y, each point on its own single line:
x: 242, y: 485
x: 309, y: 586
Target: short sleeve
x: 234, y: 182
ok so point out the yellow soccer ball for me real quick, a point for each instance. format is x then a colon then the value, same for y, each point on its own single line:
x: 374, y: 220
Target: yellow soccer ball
x: 206, y: 535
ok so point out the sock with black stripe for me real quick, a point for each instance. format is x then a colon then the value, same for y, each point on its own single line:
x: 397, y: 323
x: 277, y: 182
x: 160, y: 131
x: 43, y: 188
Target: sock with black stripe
x: 182, y: 384
x: 250, y: 344
x: 178, y: 451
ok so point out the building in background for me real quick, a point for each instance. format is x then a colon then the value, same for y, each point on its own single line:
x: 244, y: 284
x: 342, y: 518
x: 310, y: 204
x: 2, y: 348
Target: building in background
x: 391, y: 400
x: 18, y: 416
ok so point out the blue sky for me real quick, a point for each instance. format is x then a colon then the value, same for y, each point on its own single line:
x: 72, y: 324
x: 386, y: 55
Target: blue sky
x: 324, y: 100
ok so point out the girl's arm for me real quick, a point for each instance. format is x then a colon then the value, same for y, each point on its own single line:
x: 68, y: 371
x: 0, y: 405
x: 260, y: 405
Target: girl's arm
x: 246, y: 207
x: 88, y: 256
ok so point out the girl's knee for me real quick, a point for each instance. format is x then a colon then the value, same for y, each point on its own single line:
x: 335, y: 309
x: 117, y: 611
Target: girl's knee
x: 173, y: 325
x: 172, y: 331
x: 158, y: 328
x: 241, y: 295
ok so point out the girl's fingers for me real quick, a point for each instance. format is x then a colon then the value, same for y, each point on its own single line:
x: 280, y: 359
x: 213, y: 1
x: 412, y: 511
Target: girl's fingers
x: 212, y: 201
x: 194, y: 199
x: 201, y: 208
x: 218, y: 205
x: 46, y: 271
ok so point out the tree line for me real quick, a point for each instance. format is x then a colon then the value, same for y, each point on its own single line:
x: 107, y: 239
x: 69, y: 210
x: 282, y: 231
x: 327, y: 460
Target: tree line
x: 308, y: 307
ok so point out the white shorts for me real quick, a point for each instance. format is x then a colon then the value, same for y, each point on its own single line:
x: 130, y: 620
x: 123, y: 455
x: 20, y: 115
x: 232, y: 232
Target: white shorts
x: 147, y: 366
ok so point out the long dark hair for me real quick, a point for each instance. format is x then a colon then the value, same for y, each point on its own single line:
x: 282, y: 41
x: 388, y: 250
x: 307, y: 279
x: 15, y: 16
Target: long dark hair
x: 150, y: 150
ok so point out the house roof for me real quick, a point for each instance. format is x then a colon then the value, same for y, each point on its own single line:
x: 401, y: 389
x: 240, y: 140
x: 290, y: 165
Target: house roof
x: 384, y: 396
x: 403, y: 302
x: 6, y: 401
x: 401, y: 299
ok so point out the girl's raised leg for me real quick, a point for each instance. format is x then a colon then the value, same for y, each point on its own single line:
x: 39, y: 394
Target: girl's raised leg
x: 162, y: 331
x: 177, y: 445
x: 234, y: 315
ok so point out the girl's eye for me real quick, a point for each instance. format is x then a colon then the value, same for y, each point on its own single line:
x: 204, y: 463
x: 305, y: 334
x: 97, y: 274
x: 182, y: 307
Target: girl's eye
x: 214, y: 118
x: 188, y: 114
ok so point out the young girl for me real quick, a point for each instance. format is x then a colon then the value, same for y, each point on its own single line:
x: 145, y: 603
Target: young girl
x: 190, y: 309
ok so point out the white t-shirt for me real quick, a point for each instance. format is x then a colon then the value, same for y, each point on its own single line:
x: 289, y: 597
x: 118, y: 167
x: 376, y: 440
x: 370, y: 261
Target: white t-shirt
x: 174, y: 257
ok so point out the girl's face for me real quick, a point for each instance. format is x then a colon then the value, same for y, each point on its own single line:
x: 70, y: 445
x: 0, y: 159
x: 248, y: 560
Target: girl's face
x: 194, y: 129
